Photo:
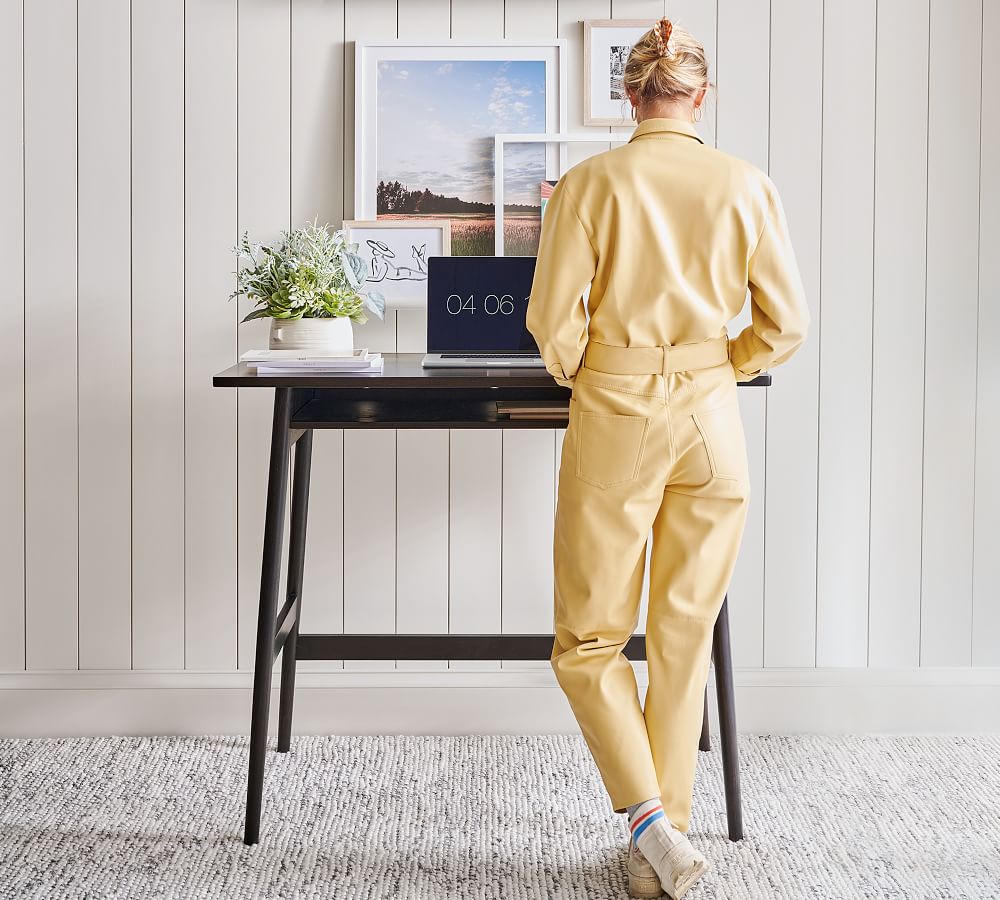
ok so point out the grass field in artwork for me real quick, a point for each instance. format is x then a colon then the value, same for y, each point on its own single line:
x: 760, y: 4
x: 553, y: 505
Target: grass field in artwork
x: 472, y: 234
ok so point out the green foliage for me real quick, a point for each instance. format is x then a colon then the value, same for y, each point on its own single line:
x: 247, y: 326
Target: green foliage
x: 307, y: 273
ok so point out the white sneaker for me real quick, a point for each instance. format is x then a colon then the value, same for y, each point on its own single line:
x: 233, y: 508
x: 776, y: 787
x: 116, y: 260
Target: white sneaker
x: 674, y: 859
x: 643, y: 882
x: 685, y: 865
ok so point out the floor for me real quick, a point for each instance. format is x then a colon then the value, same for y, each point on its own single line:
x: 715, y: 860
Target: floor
x: 487, y: 817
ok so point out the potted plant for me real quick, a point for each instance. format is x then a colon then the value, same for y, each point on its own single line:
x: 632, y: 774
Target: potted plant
x: 309, y: 282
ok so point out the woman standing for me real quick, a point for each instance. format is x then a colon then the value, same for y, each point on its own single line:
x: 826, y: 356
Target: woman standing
x: 669, y: 234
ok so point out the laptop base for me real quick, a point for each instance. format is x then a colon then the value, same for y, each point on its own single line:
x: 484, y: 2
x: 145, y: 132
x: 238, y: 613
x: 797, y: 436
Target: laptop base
x: 482, y: 360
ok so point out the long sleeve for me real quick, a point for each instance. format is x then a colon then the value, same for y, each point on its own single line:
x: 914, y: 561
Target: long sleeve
x: 779, y: 312
x: 566, y: 264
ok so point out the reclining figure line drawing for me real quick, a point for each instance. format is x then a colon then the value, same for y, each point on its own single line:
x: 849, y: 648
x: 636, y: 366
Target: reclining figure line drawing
x: 384, y: 269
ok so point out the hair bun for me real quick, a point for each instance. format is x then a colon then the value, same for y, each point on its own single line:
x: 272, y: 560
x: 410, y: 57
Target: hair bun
x: 663, y: 29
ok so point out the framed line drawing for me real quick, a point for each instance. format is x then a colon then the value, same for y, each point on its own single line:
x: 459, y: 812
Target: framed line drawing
x: 500, y: 231
x: 606, y: 46
x: 425, y: 117
x: 396, y: 251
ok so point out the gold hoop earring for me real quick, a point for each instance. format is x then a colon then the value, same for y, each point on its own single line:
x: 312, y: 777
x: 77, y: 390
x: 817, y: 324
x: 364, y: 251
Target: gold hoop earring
x: 697, y: 114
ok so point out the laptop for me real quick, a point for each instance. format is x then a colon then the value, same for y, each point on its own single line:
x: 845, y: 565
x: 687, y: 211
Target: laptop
x: 476, y: 308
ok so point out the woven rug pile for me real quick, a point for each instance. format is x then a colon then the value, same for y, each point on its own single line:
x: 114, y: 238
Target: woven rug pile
x: 487, y: 817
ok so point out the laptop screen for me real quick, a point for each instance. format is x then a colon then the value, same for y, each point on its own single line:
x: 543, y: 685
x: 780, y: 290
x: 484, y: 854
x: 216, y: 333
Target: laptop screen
x: 477, y: 304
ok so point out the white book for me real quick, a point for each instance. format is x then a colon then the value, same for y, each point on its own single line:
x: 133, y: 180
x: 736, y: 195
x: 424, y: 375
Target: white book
x: 272, y: 353
x: 314, y: 364
x: 304, y: 359
x: 374, y: 366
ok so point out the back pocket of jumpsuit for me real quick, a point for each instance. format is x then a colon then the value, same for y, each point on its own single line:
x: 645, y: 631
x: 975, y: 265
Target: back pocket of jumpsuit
x: 721, y: 431
x: 609, y: 447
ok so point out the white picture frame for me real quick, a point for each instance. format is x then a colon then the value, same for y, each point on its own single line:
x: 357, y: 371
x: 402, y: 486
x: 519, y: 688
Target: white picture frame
x: 562, y: 140
x: 371, y: 57
x: 396, y: 252
x: 601, y: 76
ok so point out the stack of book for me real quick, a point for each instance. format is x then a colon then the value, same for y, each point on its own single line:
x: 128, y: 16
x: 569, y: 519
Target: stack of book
x: 311, y: 362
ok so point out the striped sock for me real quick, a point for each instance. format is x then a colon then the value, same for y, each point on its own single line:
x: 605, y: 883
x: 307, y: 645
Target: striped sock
x: 642, y: 815
x: 666, y: 849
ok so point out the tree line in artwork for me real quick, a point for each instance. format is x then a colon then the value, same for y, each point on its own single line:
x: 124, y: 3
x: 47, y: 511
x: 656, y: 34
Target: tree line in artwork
x: 393, y: 197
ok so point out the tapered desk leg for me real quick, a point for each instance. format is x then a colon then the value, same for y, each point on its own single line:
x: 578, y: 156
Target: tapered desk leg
x: 296, y: 562
x: 706, y: 741
x: 270, y: 574
x: 722, y: 656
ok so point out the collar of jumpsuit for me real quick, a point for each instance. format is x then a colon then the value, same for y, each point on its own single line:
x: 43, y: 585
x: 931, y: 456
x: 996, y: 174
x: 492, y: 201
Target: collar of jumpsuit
x: 660, y: 127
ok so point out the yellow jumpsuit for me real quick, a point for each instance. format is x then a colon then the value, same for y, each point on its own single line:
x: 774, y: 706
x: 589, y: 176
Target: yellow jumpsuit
x: 669, y: 234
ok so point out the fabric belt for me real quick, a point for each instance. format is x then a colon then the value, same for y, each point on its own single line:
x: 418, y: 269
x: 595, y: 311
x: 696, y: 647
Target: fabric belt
x: 659, y: 360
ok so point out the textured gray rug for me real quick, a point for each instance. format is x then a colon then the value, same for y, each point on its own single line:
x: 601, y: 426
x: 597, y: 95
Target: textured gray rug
x: 486, y: 817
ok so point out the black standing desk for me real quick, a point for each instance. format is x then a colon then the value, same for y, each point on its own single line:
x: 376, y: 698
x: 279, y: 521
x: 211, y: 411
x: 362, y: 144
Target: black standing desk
x: 403, y: 395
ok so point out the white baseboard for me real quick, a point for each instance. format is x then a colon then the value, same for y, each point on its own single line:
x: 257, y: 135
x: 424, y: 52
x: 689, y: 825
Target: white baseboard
x: 514, y: 700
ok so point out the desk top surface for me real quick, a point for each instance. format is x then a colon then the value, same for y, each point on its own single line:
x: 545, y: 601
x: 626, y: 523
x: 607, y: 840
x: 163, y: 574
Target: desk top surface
x: 405, y: 370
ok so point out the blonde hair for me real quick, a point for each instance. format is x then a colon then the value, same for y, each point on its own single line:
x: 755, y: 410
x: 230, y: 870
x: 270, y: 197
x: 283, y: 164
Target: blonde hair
x: 666, y: 62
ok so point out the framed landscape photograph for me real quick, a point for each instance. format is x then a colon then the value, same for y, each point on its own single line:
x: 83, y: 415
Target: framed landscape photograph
x: 396, y: 251
x: 606, y: 46
x: 425, y: 119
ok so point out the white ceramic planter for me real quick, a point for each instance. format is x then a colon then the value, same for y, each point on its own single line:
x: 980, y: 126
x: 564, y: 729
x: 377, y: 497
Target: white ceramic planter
x: 321, y: 335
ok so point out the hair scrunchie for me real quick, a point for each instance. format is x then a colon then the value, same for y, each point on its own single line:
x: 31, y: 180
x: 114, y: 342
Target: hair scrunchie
x: 663, y: 29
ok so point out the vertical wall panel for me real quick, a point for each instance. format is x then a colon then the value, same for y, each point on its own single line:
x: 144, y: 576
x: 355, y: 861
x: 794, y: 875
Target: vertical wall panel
x: 638, y: 9
x: 742, y: 76
x: 369, y: 548
x: 477, y: 19
x: 158, y: 335
x: 104, y: 337
x: 422, y: 508
x: 524, y: 464
x: 526, y: 533
x: 790, y: 493
x: 368, y: 486
x: 12, y: 338
x: 50, y: 335
x: 364, y: 20
x: 263, y: 200
x: 846, y: 289
x: 526, y: 582
x: 897, y: 390
x: 475, y: 536
x: 210, y: 336
x: 317, y: 155
x: 523, y: 19
x: 476, y: 459
x: 421, y: 535
x: 986, y: 571
x: 429, y: 20
x: 951, y: 317
x: 742, y: 109
x: 572, y: 14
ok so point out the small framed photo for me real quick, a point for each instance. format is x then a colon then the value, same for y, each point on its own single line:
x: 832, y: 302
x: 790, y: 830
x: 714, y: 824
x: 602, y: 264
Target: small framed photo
x: 396, y: 251
x: 606, y: 46
x: 515, y: 233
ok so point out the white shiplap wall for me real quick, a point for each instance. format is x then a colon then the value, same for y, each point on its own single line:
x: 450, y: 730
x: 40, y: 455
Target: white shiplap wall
x: 138, y: 140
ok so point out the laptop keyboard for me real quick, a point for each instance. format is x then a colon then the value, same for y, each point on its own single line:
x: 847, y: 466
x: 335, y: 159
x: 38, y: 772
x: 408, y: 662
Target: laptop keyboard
x: 490, y: 356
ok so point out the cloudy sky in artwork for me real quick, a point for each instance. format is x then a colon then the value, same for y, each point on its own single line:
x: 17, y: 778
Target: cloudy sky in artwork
x: 437, y: 119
